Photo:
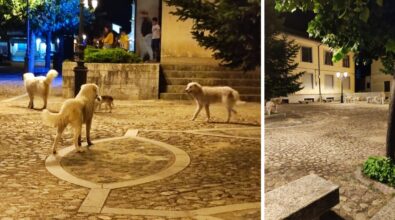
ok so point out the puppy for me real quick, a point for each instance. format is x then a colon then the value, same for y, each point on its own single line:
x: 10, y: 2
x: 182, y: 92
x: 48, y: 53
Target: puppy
x: 38, y: 86
x: 108, y: 102
x: 205, y: 95
x: 75, y: 112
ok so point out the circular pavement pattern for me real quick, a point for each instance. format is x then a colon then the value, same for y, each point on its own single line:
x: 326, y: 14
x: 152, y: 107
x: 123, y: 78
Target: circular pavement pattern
x: 119, y: 160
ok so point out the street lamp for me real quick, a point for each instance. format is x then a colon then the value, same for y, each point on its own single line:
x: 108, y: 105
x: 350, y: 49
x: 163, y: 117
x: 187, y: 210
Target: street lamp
x: 80, y: 70
x: 341, y: 77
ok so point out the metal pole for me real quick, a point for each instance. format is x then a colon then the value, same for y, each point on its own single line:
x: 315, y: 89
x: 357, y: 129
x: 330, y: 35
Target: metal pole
x: 341, y: 96
x: 80, y: 71
x: 319, y: 73
x: 27, y: 37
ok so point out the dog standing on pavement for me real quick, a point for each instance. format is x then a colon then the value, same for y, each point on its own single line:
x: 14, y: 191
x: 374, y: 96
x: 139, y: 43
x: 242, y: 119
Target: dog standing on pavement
x: 38, y: 86
x: 108, y: 102
x: 271, y: 106
x: 206, y: 95
x: 76, y: 111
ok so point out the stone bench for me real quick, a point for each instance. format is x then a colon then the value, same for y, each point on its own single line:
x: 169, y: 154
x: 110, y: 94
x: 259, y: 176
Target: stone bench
x: 306, y: 198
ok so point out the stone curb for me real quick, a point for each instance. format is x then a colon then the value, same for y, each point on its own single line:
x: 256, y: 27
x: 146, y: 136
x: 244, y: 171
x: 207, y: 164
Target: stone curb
x: 387, y: 190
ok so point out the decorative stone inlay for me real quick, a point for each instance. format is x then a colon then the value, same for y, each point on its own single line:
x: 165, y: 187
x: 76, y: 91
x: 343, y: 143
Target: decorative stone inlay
x: 120, y: 160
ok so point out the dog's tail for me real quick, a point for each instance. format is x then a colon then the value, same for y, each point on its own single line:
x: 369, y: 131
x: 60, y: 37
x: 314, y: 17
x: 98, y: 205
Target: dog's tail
x: 236, y: 96
x: 49, y: 118
x: 50, y: 76
x: 28, y: 76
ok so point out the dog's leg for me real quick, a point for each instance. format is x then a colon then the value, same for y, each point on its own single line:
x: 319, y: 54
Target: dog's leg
x: 31, y: 99
x: 57, y: 138
x: 229, y: 114
x: 207, y: 108
x: 109, y: 105
x: 45, y: 98
x: 198, y: 109
x: 77, y: 134
x: 88, y: 132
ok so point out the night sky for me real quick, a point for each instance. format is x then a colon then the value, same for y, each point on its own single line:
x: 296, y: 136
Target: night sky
x: 297, y: 22
x: 114, y: 11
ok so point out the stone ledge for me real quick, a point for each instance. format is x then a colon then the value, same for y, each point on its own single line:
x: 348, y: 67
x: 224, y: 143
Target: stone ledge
x: 134, y: 81
x: 306, y: 198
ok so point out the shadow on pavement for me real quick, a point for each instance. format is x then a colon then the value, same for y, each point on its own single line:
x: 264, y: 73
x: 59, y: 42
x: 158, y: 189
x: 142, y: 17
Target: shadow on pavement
x: 236, y: 123
x: 331, y: 215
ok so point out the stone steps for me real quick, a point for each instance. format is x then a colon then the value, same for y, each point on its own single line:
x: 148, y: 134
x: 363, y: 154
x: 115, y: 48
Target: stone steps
x: 175, y: 77
x: 214, y: 82
x: 185, y: 96
x: 212, y: 74
x: 240, y: 89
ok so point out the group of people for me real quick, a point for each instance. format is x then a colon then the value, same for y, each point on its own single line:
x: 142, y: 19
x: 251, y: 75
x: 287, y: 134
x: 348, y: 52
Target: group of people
x: 108, y: 40
x: 150, y: 31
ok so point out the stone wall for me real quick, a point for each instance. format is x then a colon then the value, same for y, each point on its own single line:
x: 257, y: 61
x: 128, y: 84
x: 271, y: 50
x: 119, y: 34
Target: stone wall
x: 122, y: 81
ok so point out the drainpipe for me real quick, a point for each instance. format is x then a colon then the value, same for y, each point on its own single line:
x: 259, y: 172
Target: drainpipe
x: 319, y: 73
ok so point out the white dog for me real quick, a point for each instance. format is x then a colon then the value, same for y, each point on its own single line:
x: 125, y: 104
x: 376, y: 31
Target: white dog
x: 205, y: 95
x: 271, y: 106
x: 76, y: 112
x: 38, y: 86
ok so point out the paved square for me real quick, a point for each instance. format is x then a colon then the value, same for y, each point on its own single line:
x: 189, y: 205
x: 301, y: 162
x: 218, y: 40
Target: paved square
x: 331, y: 140
x: 221, y: 180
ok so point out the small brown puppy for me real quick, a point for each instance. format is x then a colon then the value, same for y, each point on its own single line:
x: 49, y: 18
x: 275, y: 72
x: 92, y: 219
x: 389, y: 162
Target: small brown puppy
x: 108, y: 101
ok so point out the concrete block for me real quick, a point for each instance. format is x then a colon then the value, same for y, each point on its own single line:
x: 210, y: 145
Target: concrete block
x: 306, y: 198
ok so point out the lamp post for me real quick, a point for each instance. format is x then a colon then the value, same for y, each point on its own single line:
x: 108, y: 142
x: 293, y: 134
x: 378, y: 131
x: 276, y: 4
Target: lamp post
x: 341, y: 77
x: 27, y: 37
x: 80, y: 71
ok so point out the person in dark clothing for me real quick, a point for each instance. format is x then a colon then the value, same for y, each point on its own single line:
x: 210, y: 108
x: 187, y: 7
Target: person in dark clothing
x: 146, y: 32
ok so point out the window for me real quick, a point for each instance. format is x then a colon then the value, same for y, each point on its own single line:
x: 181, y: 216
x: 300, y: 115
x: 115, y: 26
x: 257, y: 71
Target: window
x: 387, y: 86
x: 346, y: 61
x: 328, y: 81
x: 328, y: 58
x: 307, y: 54
x: 346, y: 83
x: 308, y: 81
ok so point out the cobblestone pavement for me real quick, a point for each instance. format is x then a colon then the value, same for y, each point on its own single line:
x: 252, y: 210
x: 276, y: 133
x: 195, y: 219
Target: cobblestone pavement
x: 330, y: 140
x: 222, y: 170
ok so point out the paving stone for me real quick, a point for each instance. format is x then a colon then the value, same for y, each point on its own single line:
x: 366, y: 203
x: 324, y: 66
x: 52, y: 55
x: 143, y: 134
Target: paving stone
x: 25, y: 143
x: 314, y: 138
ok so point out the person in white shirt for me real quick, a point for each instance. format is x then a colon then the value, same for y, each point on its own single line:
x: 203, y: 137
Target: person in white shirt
x: 155, y: 43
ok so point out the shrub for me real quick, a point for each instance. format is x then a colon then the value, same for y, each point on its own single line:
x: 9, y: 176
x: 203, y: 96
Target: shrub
x: 381, y: 169
x: 113, y: 55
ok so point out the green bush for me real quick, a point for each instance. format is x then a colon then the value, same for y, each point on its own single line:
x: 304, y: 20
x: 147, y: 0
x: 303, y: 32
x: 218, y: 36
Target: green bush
x: 381, y: 169
x: 113, y: 55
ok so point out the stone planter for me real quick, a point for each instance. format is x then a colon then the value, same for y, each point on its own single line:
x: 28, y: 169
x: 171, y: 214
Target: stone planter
x: 121, y: 81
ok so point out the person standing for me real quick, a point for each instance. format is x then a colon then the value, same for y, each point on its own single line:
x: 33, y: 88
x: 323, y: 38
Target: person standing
x: 146, y: 32
x: 108, y: 39
x: 124, y: 41
x: 155, y: 44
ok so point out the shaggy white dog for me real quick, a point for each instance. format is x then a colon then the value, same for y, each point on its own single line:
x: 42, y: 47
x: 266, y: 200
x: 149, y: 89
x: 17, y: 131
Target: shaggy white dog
x: 205, y: 95
x: 271, y: 106
x: 75, y: 112
x: 38, y: 86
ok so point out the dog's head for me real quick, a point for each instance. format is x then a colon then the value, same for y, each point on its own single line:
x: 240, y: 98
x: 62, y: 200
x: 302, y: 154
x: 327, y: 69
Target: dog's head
x: 193, y: 88
x: 90, y: 91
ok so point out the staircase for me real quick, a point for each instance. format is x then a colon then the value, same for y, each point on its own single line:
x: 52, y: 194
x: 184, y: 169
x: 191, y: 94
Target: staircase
x: 175, y: 77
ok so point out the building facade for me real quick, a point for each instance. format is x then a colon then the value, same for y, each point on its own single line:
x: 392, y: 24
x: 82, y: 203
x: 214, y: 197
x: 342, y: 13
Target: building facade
x: 378, y: 81
x: 315, y: 59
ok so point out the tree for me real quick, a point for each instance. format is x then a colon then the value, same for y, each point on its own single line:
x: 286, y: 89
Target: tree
x: 280, y: 79
x: 364, y: 27
x: 46, y: 16
x: 49, y: 16
x: 230, y: 28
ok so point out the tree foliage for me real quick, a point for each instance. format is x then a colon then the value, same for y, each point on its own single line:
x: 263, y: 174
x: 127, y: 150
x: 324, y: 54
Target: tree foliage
x: 362, y: 26
x: 280, y: 78
x: 230, y: 28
